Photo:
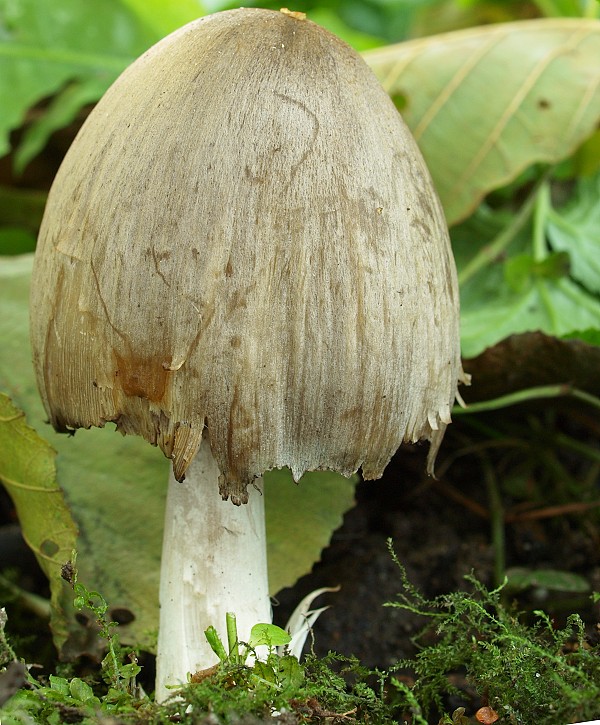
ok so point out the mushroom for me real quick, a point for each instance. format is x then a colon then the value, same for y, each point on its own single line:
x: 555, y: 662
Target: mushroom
x: 244, y: 261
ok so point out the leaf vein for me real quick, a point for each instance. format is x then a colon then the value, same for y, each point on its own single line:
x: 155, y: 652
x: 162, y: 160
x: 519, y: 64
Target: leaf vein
x: 463, y: 72
x: 10, y: 483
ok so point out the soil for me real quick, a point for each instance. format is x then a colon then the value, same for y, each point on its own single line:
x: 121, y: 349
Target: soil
x: 438, y: 540
x: 432, y: 538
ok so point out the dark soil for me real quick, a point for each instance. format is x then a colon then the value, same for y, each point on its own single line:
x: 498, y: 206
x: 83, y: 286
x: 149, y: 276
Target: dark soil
x: 433, y: 537
x: 438, y: 541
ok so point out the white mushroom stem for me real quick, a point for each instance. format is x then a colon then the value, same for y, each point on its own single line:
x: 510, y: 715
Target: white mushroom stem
x: 213, y: 562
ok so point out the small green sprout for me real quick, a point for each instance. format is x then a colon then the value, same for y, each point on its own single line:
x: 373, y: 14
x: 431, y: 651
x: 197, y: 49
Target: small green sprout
x: 261, y: 635
x: 119, y: 676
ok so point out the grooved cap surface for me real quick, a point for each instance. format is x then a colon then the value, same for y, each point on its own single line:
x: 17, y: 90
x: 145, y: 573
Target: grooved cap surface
x: 244, y: 236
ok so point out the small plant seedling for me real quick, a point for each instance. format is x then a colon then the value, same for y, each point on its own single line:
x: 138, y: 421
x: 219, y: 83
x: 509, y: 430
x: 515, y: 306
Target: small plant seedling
x: 120, y: 677
x: 261, y: 635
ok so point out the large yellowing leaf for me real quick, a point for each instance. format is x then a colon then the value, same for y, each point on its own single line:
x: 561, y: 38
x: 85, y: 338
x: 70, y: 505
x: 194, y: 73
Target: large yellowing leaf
x: 115, y: 488
x: 488, y: 102
x: 28, y: 473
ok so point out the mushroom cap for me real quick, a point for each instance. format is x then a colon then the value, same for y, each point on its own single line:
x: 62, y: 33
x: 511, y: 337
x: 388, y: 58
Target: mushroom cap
x: 244, y: 238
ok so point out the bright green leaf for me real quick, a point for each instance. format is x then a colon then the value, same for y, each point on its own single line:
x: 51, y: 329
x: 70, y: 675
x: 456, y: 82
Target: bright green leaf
x: 80, y: 690
x: 130, y: 670
x: 164, y: 17
x: 492, y: 311
x: 334, y: 23
x: 269, y: 635
x: 45, y: 45
x: 116, y: 488
x: 524, y: 286
x: 60, y: 684
x: 488, y: 102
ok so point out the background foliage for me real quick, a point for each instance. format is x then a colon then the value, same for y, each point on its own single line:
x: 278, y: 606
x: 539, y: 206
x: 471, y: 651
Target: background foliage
x: 506, y: 116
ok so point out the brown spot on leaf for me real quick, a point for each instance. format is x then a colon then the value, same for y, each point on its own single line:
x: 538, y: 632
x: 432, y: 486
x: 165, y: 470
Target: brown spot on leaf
x: 67, y: 572
x: 48, y: 547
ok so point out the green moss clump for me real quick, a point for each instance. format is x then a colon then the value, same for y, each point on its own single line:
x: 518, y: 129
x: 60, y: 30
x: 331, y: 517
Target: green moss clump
x: 530, y: 674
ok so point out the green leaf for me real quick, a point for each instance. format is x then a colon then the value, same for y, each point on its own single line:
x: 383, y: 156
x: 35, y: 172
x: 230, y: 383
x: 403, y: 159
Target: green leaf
x: 130, y: 670
x: 14, y: 240
x: 556, y: 580
x: 492, y: 311
x: 486, y: 103
x: 60, y: 684
x: 264, y: 671
x: 521, y: 271
x: 60, y: 112
x: 300, y: 520
x: 80, y: 690
x: 575, y: 229
x: 526, y: 288
x: 269, y: 635
x: 116, y: 488
x: 290, y: 672
x: 331, y: 20
x: 28, y: 474
x: 591, y: 336
x: 164, y: 17
x: 44, y: 46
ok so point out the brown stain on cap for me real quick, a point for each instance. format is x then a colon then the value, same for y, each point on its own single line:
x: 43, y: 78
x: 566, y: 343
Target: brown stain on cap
x: 142, y: 377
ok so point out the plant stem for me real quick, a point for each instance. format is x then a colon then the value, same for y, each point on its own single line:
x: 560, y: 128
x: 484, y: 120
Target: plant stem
x: 540, y: 216
x: 523, y: 396
x: 493, y: 250
x: 213, y: 562
x: 33, y: 602
x: 497, y: 521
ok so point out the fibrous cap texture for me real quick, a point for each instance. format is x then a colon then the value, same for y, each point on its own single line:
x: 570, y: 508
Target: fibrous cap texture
x: 244, y: 240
